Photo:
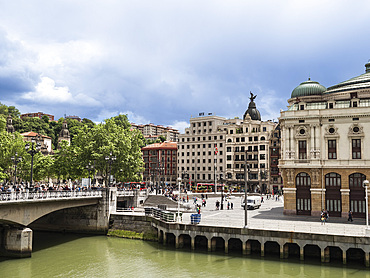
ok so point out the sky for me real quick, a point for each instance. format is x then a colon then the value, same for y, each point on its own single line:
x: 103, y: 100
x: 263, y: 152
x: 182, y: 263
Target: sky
x: 163, y: 62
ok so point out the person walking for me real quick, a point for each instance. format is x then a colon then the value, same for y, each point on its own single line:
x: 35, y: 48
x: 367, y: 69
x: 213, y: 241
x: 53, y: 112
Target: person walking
x: 350, y: 216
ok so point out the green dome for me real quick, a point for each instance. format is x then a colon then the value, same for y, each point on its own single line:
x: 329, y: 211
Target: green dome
x: 308, y: 88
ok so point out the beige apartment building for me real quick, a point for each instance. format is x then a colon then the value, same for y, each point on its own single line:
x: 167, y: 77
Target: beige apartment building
x: 201, y: 149
x: 151, y: 131
x: 216, y: 148
x: 325, y: 158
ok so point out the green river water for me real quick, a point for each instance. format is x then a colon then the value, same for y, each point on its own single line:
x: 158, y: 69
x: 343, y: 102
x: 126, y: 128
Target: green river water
x: 60, y: 255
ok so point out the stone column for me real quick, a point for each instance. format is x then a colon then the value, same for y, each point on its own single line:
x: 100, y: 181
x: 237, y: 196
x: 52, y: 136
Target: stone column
x: 262, y: 249
x: 164, y: 238
x: 325, y: 255
x: 345, y: 202
x: 213, y: 244
x: 177, y: 241
x: 226, y: 246
x: 192, y: 243
x: 344, y: 256
x: 249, y: 249
x: 209, y: 244
x: 244, y: 248
x: 286, y: 251
x: 301, y: 253
x: 18, y: 242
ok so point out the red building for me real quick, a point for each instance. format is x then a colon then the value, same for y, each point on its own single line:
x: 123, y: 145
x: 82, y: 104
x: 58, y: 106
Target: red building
x: 37, y: 115
x: 160, y: 163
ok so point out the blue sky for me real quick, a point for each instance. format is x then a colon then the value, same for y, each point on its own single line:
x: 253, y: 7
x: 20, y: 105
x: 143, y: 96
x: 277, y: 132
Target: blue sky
x: 162, y: 62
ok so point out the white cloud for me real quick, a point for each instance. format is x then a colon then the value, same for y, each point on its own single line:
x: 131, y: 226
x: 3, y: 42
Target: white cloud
x: 46, y: 92
x: 162, y: 61
x: 180, y: 126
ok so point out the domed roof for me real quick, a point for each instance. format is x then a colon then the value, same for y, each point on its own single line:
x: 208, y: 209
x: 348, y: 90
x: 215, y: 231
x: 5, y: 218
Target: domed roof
x: 308, y: 88
x: 359, y: 82
x: 252, y: 109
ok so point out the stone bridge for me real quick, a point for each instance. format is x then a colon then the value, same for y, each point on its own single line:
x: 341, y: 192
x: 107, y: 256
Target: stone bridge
x: 63, y: 211
x: 20, y: 212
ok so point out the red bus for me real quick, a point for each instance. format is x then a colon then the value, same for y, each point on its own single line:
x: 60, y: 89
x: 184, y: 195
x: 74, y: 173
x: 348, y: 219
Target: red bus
x: 135, y: 185
x: 208, y: 187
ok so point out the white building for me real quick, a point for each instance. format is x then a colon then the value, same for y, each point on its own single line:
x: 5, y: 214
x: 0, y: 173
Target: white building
x: 324, y: 156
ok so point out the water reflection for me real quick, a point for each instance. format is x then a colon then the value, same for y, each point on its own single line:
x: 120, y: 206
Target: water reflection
x: 58, y: 255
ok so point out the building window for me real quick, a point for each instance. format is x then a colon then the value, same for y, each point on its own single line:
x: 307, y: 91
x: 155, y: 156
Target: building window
x: 302, y: 149
x: 231, y: 131
x: 332, y: 149
x: 228, y: 149
x: 262, y: 147
x: 356, y: 148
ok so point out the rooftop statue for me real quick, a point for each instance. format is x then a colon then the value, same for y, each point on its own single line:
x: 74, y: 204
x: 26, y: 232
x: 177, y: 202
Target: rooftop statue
x: 252, y: 98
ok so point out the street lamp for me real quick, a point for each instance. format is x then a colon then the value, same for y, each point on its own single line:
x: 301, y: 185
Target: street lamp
x: 110, y: 159
x: 90, y: 168
x: 246, y: 173
x: 222, y: 191
x: 178, y: 201
x: 365, y: 184
x: 35, y: 147
x: 16, y: 159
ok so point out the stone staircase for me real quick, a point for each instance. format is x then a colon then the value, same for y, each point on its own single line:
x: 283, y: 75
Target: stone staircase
x: 155, y: 200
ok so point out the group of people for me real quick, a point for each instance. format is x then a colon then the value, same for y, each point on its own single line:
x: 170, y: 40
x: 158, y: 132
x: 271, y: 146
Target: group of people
x: 324, y: 216
x: 20, y: 188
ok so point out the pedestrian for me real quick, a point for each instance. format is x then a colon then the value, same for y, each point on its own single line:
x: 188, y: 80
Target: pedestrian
x: 217, y: 204
x: 350, y: 216
x: 232, y: 205
x: 322, y: 217
x: 228, y: 205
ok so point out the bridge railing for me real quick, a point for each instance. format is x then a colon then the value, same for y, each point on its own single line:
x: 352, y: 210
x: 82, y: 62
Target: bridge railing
x: 26, y: 196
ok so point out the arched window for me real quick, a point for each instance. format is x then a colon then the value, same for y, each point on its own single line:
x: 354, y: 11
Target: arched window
x: 357, y: 195
x: 303, y: 179
x: 332, y: 179
x: 262, y: 138
x: 229, y: 140
x: 356, y: 179
x: 333, y: 195
x: 303, y: 194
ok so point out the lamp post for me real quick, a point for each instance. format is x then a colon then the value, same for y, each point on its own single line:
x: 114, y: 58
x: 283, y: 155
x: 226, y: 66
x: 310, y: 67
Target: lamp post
x: 222, y: 191
x: 246, y: 172
x: 90, y: 168
x: 35, y: 147
x: 16, y: 159
x: 365, y: 184
x: 178, y: 201
x: 110, y: 159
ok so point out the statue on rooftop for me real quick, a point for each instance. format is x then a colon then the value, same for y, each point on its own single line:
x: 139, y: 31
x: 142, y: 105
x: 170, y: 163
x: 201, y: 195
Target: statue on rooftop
x: 253, y: 97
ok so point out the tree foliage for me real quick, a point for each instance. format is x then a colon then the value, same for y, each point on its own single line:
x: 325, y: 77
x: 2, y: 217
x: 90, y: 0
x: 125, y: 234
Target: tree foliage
x: 90, y: 143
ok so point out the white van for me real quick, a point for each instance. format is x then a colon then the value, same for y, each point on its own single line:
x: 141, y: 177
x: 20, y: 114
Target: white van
x: 253, y: 202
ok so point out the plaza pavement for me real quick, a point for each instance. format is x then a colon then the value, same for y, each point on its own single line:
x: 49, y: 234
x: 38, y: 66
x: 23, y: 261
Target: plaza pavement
x: 270, y: 217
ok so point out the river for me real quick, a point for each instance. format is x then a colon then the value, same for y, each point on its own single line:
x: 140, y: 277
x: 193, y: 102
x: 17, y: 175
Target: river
x: 66, y: 255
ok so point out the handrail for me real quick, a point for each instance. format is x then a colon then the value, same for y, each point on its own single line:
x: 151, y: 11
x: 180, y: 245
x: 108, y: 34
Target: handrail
x: 50, y: 194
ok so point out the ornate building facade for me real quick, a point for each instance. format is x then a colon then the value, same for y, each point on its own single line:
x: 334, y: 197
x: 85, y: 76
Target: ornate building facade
x: 217, y: 149
x: 324, y: 160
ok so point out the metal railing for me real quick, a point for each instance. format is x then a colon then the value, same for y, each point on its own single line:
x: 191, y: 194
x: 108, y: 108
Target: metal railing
x: 164, y: 215
x: 42, y: 195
